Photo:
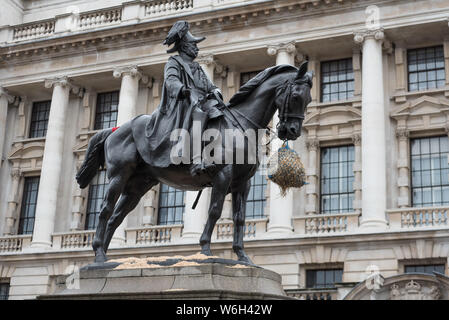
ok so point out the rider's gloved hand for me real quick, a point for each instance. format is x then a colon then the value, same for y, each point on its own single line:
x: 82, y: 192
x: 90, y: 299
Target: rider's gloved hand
x: 185, y: 93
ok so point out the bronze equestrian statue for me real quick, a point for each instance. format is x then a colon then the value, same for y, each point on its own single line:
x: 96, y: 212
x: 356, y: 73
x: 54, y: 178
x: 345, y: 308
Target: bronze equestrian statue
x: 137, y: 154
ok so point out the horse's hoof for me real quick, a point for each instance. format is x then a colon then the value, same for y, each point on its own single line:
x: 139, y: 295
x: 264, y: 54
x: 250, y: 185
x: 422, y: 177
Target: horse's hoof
x: 100, y: 257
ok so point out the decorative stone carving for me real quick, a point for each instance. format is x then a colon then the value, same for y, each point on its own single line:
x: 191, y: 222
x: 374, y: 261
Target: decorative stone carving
x: 131, y: 71
x: 408, y: 286
x: 288, y: 47
x: 377, y: 34
x: 312, y: 144
x: 64, y: 81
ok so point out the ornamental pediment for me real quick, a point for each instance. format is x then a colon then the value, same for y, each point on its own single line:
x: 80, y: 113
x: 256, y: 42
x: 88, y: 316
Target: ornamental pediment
x: 81, y: 146
x: 27, y: 150
x: 424, y: 105
x: 334, y: 115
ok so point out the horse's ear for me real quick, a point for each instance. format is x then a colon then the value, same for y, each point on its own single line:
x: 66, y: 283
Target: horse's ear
x: 302, y: 70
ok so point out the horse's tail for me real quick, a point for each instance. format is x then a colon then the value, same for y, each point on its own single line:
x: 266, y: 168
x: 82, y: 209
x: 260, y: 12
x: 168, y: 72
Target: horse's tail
x: 94, y: 158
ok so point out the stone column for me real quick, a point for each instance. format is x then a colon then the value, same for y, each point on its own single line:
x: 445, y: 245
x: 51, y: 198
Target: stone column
x: 403, y: 166
x: 127, y: 109
x: 52, y: 162
x: 5, y: 100
x: 357, y: 168
x: 312, y: 177
x: 373, y: 131
x: 281, y: 208
x: 13, y: 203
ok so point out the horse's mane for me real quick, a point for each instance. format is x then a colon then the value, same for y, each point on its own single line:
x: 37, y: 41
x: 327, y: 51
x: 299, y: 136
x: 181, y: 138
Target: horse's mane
x: 255, y: 82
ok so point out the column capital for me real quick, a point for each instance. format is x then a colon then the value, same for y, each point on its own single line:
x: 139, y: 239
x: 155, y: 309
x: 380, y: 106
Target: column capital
x: 9, y: 96
x: 361, y: 35
x: 288, y: 47
x: 357, y: 139
x: 16, y: 173
x: 206, y: 58
x: 64, y: 81
x: 402, y: 134
x: 312, y: 144
x: 132, y: 71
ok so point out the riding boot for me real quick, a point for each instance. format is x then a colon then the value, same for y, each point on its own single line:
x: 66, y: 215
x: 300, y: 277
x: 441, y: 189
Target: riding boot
x: 198, y: 165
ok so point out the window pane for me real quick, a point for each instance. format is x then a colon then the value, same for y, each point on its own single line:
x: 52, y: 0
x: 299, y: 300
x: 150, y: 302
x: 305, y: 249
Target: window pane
x: 337, y: 177
x: 28, y: 208
x: 106, y: 110
x: 325, y: 278
x: 425, y: 67
x: 256, y: 198
x: 429, y: 171
x: 337, y: 80
x: 97, y: 191
x: 39, y: 119
x: 171, y: 205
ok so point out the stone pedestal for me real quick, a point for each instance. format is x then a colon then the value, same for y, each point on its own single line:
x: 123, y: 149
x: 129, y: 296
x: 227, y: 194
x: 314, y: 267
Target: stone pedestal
x: 208, y: 279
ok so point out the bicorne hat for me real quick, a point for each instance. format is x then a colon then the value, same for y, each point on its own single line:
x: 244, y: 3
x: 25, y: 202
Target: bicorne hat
x: 180, y: 32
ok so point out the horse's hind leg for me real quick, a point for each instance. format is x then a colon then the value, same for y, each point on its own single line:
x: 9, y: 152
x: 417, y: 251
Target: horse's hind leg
x: 219, y: 190
x: 135, y: 189
x: 115, y: 187
x: 239, y: 198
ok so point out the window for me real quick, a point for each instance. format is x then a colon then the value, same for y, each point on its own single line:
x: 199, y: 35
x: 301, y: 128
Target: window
x: 39, y: 119
x: 256, y: 197
x: 28, y: 209
x: 324, y: 278
x: 430, y: 268
x: 430, y: 171
x: 246, y: 76
x: 4, y: 291
x: 426, y: 68
x: 337, y: 80
x: 106, y: 110
x: 171, y: 205
x: 337, y: 178
x: 95, y: 198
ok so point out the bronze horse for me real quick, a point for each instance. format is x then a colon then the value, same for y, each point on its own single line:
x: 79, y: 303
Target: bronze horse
x: 284, y: 88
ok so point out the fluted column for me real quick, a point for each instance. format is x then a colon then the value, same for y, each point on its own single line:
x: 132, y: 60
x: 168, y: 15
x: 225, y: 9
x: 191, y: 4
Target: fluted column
x: 357, y: 168
x: 281, y: 208
x: 373, y: 131
x: 5, y: 100
x: 52, y: 162
x: 312, y: 177
x: 127, y: 109
x: 13, y: 203
x: 403, y: 166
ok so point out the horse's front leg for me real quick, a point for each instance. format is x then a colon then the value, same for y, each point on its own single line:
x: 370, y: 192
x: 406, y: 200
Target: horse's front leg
x: 239, y: 198
x: 219, y: 190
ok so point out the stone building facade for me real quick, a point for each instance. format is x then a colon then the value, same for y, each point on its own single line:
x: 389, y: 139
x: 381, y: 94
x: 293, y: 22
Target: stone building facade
x: 374, y: 143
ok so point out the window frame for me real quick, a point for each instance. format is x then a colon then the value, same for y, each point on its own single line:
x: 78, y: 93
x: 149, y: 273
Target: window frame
x: 93, y: 201
x: 4, y: 284
x: 408, y: 72
x: 349, y: 62
x: 411, y: 171
x: 348, y: 177
x: 24, y: 206
x: 99, y: 125
x: 33, y: 134
x: 320, y: 269
x: 176, y: 192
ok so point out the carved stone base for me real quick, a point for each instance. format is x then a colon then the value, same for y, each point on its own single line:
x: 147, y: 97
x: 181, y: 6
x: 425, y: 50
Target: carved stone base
x: 181, y: 279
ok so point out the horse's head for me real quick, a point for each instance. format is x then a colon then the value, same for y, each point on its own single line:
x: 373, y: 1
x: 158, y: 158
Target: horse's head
x: 292, y: 99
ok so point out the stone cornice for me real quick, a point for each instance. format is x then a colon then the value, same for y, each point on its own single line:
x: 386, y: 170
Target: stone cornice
x: 201, y: 22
